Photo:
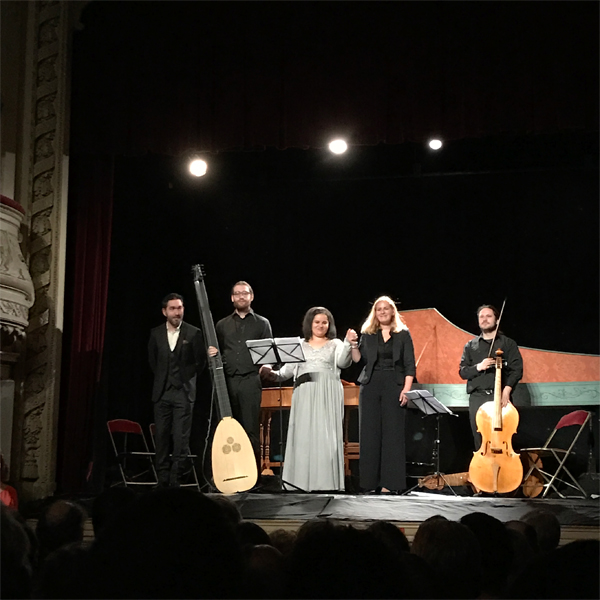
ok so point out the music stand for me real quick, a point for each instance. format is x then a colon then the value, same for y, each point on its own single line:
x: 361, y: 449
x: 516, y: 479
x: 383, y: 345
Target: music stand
x: 282, y: 351
x: 428, y: 404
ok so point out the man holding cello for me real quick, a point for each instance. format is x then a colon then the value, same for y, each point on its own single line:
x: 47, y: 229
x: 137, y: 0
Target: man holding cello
x: 477, y: 365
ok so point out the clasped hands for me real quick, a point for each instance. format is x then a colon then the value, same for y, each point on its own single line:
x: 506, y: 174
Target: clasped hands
x: 352, y: 337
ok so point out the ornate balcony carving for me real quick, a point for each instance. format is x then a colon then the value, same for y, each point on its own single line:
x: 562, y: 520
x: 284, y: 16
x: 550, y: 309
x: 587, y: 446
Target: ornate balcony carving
x: 16, y: 286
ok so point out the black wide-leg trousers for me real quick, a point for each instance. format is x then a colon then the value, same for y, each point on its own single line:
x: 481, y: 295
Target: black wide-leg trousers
x: 382, y: 460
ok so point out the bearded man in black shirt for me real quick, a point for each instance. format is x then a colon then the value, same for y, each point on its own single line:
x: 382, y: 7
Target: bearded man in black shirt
x: 477, y: 365
x: 241, y: 374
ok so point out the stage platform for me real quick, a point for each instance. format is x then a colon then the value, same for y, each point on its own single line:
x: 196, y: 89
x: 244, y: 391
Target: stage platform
x: 271, y: 508
x: 579, y: 519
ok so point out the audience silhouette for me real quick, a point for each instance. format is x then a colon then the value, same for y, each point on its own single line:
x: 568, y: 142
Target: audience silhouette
x: 547, y: 528
x: 453, y: 552
x: 60, y: 523
x: 108, y: 504
x: 16, y: 566
x: 172, y: 543
x: 176, y: 543
x: 496, y: 552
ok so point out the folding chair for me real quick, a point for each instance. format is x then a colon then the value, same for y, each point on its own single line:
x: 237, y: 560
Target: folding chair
x: 136, y: 462
x: 579, y: 418
x: 190, y: 457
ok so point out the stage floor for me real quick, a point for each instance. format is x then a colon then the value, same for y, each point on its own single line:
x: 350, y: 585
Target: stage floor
x: 579, y: 519
x: 272, y: 509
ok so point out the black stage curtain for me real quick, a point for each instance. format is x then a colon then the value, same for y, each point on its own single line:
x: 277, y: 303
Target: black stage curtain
x: 168, y: 77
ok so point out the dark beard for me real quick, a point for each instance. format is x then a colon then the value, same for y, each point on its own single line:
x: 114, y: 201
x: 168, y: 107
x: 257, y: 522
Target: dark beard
x: 490, y: 329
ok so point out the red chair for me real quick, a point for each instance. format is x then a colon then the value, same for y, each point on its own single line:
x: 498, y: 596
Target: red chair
x: 190, y: 457
x: 554, y: 459
x: 136, y: 462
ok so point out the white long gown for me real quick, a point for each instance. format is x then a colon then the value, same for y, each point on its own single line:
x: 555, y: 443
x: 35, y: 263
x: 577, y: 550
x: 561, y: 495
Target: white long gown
x: 314, y: 454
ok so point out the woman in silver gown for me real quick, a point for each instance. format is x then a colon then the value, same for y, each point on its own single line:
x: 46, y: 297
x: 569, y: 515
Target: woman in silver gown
x: 314, y: 454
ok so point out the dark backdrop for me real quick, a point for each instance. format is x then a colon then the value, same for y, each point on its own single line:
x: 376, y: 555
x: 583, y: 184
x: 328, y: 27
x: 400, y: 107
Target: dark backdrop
x: 305, y: 228
x: 170, y: 76
x: 498, y: 212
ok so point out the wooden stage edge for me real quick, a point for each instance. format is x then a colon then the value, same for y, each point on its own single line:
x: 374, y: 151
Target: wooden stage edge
x: 579, y: 518
x: 567, y: 533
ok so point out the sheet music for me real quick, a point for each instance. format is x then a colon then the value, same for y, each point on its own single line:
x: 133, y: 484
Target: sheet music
x: 290, y: 349
x: 262, y: 351
x: 287, y: 340
x: 276, y: 350
x: 426, y: 402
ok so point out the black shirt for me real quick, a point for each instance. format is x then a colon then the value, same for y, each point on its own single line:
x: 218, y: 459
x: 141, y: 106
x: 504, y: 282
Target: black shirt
x: 385, y: 353
x: 476, y: 350
x: 232, y: 333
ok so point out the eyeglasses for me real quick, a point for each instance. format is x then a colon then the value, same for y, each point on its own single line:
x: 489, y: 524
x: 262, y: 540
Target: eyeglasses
x: 241, y: 293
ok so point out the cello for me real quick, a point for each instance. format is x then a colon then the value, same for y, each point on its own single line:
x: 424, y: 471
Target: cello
x: 496, y: 467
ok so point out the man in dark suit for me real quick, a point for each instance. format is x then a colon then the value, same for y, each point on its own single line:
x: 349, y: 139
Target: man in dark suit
x: 177, y: 355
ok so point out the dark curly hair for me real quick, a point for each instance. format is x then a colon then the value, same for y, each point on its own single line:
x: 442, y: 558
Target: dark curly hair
x: 311, y: 313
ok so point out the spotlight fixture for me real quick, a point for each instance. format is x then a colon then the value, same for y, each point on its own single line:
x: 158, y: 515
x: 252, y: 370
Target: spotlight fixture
x: 435, y: 144
x: 198, y: 167
x: 338, y: 146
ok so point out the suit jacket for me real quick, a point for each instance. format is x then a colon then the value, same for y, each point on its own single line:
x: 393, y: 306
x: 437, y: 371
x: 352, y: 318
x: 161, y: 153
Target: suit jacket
x: 403, y: 356
x: 189, y: 353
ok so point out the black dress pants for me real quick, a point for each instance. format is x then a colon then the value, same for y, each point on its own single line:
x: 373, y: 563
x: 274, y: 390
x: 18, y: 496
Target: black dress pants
x: 382, y: 460
x: 245, y: 392
x: 172, y: 417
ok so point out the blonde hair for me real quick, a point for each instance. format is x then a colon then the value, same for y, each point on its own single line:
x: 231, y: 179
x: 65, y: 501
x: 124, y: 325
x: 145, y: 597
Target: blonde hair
x: 371, y: 324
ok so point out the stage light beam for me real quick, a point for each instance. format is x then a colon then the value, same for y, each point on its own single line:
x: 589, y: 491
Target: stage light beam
x: 435, y: 144
x: 338, y: 146
x: 198, y: 167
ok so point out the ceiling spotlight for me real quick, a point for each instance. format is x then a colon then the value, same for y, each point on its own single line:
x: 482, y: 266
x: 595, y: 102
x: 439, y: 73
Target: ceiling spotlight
x: 338, y: 146
x: 435, y: 144
x: 198, y: 167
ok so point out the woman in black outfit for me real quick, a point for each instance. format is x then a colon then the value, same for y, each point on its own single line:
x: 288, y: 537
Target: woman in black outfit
x: 386, y: 349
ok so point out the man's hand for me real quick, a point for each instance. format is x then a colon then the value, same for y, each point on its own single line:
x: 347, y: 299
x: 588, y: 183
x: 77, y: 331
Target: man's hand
x: 505, y: 400
x: 212, y: 351
x: 266, y: 372
x: 486, y: 363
